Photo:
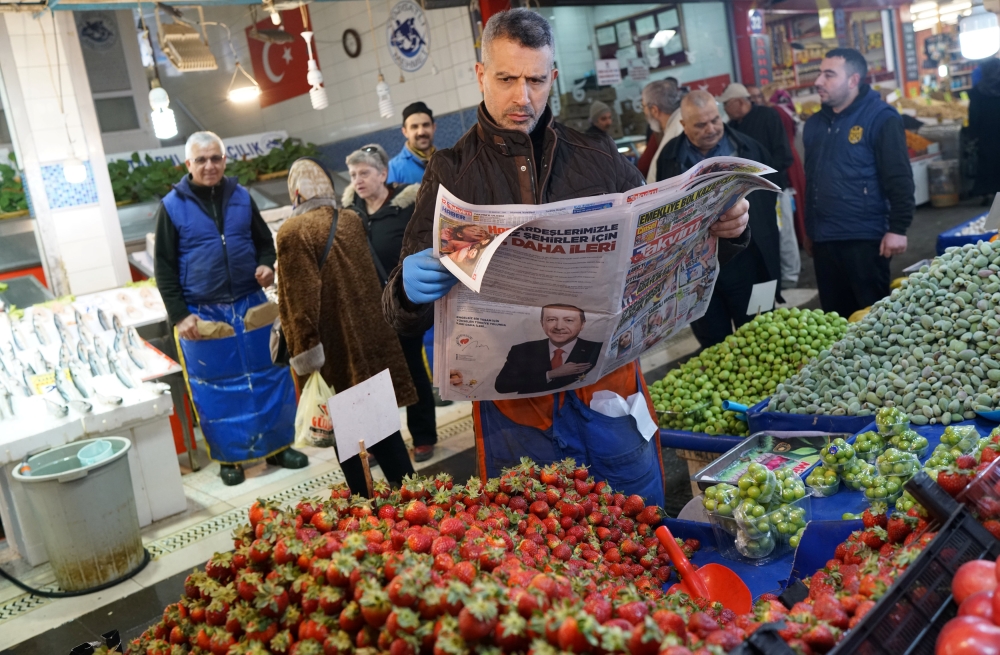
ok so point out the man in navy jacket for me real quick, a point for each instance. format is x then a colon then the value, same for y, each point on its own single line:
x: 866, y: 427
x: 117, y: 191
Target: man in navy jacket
x: 859, y: 186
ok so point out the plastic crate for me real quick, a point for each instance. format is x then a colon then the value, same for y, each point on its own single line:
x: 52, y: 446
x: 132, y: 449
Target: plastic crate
x: 907, y: 620
x: 983, y: 493
x: 951, y: 237
x: 760, y: 420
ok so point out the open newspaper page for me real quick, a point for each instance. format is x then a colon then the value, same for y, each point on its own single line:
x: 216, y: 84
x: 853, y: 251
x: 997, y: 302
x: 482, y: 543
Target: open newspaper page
x: 550, y: 291
x: 673, y: 265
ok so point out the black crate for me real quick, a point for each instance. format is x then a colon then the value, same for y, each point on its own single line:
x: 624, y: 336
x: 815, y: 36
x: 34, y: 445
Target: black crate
x: 907, y: 620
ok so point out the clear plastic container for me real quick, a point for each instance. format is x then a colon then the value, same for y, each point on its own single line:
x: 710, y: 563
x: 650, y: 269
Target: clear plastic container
x: 891, y: 421
x: 854, y: 479
x: 769, y: 536
x: 869, y: 445
x: 960, y: 439
x: 823, y: 481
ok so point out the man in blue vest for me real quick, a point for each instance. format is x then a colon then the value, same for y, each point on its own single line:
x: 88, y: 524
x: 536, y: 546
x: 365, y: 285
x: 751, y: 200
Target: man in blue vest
x: 859, y: 186
x: 418, y: 127
x: 214, y: 254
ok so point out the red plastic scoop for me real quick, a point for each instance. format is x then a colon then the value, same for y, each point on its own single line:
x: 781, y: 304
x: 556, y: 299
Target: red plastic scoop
x: 712, y: 581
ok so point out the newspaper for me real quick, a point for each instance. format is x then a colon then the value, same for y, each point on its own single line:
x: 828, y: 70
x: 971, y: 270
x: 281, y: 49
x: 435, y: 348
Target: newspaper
x: 555, y: 296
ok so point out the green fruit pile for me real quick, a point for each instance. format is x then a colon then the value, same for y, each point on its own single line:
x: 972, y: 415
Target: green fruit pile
x: 758, y: 483
x: 931, y: 349
x: 721, y: 499
x: 745, y: 368
x: 855, y: 473
x: 910, y: 442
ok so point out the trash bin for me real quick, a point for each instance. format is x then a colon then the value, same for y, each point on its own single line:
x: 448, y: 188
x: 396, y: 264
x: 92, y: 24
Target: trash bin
x: 943, y: 182
x: 86, y: 513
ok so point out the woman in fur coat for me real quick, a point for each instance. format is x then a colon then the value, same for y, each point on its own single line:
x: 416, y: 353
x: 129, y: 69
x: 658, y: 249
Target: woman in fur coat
x: 330, y: 307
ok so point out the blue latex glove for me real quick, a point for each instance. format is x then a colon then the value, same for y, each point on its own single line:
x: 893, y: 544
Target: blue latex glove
x: 425, y: 279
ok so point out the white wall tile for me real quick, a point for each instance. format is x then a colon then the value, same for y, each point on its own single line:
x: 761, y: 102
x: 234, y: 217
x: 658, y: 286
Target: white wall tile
x: 77, y: 224
x: 86, y: 254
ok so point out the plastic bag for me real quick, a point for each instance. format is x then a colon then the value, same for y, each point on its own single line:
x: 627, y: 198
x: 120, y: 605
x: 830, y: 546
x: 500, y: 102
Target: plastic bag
x: 312, y: 423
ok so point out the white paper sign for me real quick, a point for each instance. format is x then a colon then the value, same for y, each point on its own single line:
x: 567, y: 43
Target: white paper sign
x: 608, y: 72
x: 365, y: 411
x: 762, y: 297
x: 638, y: 69
x: 993, y: 220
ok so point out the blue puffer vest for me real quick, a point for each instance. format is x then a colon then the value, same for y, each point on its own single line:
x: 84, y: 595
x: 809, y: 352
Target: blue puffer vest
x: 214, y: 267
x: 844, y: 198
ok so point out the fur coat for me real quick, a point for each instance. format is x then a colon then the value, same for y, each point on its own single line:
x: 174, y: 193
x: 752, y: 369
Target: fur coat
x: 332, y: 317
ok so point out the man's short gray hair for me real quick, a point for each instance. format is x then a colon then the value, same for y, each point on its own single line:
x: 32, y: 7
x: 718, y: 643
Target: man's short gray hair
x: 662, y: 94
x: 522, y: 26
x: 202, y: 139
x: 372, y: 155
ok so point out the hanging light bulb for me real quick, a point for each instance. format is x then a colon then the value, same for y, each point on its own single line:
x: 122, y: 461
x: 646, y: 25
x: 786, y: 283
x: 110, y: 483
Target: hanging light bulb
x: 164, y: 122
x: 979, y: 33
x: 74, y: 170
x: 275, y: 18
x: 243, y: 93
x: 385, y: 109
x: 317, y: 94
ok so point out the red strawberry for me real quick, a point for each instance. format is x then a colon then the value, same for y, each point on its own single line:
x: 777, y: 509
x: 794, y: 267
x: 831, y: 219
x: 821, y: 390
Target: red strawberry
x: 875, y: 515
x: 477, y: 619
x: 416, y: 513
x: 966, y: 462
x: 953, y: 480
x: 897, y: 529
x: 821, y: 638
x: 993, y: 526
x: 874, y: 538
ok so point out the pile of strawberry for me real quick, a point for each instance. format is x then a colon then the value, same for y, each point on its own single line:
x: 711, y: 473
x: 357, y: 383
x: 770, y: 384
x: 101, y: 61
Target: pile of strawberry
x: 541, y: 560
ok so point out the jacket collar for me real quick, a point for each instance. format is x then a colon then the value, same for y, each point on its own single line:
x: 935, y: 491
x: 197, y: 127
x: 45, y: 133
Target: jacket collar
x: 510, y: 142
x: 401, y: 196
x: 865, y: 95
x: 185, y: 189
x: 672, y: 150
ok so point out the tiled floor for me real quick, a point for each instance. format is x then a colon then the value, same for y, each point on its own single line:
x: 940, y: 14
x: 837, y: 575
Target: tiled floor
x: 184, y: 541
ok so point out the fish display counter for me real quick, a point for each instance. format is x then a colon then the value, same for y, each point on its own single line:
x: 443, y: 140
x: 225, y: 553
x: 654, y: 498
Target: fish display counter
x: 69, y: 371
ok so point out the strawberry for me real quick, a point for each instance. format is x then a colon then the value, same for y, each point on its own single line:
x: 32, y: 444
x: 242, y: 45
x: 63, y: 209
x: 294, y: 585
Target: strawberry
x: 993, y: 527
x: 897, y: 528
x: 953, y: 480
x: 875, y: 515
x: 965, y: 462
x: 821, y: 638
x: 416, y: 513
x: 271, y: 600
x: 477, y: 619
x: 874, y: 538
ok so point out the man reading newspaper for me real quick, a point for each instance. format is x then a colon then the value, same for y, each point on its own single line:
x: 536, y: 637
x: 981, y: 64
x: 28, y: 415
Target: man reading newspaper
x: 517, y: 153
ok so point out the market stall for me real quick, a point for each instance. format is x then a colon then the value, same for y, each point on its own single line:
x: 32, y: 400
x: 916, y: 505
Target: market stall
x: 72, y: 372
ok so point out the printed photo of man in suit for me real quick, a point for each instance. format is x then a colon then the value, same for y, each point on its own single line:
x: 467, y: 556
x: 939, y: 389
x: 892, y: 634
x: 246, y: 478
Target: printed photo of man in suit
x: 548, y: 364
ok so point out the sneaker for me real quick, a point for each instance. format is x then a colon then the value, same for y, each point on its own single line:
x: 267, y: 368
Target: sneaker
x: 289, y: 458
x: 423, y: 453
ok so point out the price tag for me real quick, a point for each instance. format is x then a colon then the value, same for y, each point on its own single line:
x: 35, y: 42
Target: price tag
x: 365, y: 411
x: 762, y: 297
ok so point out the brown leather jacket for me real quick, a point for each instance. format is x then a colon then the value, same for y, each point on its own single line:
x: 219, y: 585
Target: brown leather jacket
x: 493, y: 166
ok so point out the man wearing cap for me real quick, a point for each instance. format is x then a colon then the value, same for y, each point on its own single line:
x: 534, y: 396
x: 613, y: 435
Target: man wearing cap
x: 763, y: 124
x: 418, y: 127
x: 601, y: 118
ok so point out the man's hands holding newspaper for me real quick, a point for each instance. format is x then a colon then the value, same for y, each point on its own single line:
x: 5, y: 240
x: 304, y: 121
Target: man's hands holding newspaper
x: 425, y: 279
x: 731, y: 224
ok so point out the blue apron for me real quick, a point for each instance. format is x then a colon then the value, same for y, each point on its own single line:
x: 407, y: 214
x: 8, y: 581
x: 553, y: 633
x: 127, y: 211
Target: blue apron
x: 245, y: 404
x: 613, y: 448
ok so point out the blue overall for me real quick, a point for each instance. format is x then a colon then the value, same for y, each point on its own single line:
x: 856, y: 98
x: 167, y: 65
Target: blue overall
x: 246, y: 404
x: 613, y: 448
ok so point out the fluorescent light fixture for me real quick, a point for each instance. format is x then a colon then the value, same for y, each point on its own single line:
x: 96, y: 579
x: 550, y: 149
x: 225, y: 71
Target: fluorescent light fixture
x: 942, y: 71
x: 623, y: 149
x: 918, y: 7
x: 979, y: 34
x: 954, y: 7
x: 74, y: 170
x: 926, y: 14
x: 662, y: 38
x: 921, y: 25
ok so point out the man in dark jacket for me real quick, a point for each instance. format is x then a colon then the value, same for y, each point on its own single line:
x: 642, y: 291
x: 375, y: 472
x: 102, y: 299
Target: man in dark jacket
x: 859, y: 186
x: 705, y: 136
x: 213, y: 255
x: 764, y: 125
x: 517, y: 153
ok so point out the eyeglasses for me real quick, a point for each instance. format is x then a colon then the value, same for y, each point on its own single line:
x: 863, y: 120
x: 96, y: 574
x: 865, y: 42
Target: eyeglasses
x: 369, y: 149
x: 215, y: 159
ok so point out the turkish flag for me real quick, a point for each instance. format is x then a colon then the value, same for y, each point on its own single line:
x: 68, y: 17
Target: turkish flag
x: 281, y: 68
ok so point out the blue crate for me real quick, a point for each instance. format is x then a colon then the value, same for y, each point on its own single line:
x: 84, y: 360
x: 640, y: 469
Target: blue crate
x: 951, y: 237
x: 760, y: 420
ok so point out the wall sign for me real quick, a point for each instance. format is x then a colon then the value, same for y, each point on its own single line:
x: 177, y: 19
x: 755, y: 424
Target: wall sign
x: 910, y: 53
x: 408, y: 36
x: 608, y: 72
x: 237, y: 147
x: 760, y: 46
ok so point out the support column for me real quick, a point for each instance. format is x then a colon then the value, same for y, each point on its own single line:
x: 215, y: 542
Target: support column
x: 740, y: 17
x: 52, y: 119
